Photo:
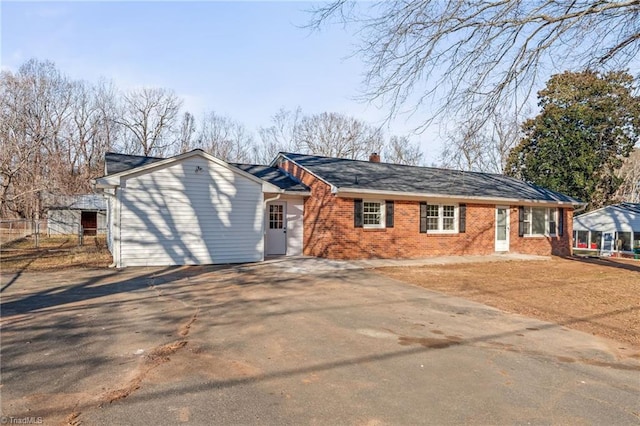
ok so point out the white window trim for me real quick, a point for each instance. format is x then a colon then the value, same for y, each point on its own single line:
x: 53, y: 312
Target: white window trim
x: 440, y: 229
x: 529, y: 224
x: 383, y: 219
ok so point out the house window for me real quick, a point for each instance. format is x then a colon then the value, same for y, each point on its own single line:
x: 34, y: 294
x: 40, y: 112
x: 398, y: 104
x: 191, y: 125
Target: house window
x: 433, y: 212
x: 438, y: 218
x: 595, y: 240
x: 623, y: 241
x: 448, y: 218
x: 372, y: 214
x: 581, y: 239
x: 276, y: 216
x: 540, y: 221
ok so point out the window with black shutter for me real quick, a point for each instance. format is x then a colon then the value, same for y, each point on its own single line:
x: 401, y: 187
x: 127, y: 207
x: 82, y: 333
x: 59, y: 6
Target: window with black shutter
x: 462, y: 218
x: 560, y: 222
x: 388, y: 213
x: 357, y: 213
x: 521, y: 221
x: 423, y: 217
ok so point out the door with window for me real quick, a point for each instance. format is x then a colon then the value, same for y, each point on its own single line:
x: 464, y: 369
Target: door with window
x: 276, y: 238
x: 502, y: 228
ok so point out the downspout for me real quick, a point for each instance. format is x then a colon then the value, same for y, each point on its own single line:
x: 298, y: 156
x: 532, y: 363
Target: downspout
x: 264, y: 220
x: 264, y: 210
x: 580, y: 209
x: 111, y: 219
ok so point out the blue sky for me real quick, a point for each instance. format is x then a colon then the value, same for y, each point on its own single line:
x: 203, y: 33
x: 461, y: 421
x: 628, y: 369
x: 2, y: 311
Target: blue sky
x: 242, y: 59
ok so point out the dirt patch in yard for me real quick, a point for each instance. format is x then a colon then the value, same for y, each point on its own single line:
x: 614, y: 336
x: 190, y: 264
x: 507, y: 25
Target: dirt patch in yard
x: 54, y: 253
x: 598, y: 296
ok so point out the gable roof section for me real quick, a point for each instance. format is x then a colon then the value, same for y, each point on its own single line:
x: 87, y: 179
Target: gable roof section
x: 117, y: 163
x: 150, y: 163
x: 633, y: 208
x: 351, y: 176
x: 274, y: 176
x: 617, y: 217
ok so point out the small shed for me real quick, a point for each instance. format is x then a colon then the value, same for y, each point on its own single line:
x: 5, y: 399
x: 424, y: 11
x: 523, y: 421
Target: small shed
x: 609, y: 230
x: 70, y: 214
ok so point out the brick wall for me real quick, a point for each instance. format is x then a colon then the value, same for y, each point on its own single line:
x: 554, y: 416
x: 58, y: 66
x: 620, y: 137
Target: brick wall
x: 329, y: 230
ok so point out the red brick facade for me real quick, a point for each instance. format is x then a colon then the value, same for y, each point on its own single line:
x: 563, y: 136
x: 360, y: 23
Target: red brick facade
x: 329, y: 229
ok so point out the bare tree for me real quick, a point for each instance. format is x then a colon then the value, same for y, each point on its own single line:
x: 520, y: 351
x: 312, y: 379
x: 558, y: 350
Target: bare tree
x: 629, y: 190
x: 36, y: 105
x: 90, y: 134
x: 464, y: 150
x: 400, y: 150
x: 481, y: 145
x: 224, y: 138
x: 330, y: 134
x: 477, y: 55
x: 186, y: 132
x: 337, y: 135
x: 281, y: 136
x: 149, y: 116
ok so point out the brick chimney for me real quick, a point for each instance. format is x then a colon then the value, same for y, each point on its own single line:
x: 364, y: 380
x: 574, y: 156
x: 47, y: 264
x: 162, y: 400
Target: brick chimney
x: 374, y: 158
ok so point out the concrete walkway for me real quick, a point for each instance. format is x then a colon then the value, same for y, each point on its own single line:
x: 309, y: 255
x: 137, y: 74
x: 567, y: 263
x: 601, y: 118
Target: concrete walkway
x: 309, y: 264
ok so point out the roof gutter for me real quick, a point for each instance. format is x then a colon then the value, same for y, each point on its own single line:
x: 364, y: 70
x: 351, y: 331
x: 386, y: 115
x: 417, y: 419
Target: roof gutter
x: 580, y: 209
x: 352, y: 193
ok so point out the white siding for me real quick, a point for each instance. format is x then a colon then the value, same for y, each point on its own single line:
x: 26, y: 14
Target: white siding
x: 176, y: 215
x: 608, y: 219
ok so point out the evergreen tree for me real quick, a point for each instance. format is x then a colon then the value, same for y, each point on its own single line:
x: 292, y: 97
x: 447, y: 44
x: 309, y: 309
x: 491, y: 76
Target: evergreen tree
x: 588, y: 124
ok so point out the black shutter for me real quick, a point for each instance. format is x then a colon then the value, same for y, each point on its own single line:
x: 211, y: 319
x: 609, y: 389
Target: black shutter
x: 462, y: 218
x: 423, y: 217
x: 388, y: 213
x: 357, y: 213
x: 560, y: 221
x: 520, y: 221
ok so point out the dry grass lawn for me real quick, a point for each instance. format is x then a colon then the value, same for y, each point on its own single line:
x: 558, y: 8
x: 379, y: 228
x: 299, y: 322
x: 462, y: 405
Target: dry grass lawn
x: 598, y: 296
x: 54, y: 253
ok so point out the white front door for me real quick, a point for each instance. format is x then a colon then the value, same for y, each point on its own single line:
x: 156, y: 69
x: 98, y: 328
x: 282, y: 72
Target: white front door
x: 502, y: 228
x: 276, y: 238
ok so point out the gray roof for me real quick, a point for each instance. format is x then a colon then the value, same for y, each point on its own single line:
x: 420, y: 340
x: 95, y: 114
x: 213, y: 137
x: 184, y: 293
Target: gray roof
x: 356, y: 174
x: 633, y: 207
x: 117, y: 163
x: 274, y: 176
x: 78, y: 202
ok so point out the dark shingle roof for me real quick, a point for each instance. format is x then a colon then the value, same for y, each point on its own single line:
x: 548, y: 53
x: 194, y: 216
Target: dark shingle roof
x: 355, y: 174
x: 117, y: 163
x: 633, y: 207
x: 274, y: 176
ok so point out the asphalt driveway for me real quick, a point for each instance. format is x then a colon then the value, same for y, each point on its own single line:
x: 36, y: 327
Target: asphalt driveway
x: 268, y: 344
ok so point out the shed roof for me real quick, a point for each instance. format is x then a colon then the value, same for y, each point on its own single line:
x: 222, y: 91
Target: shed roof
x: 366, y: 175
x: 78, y: 202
